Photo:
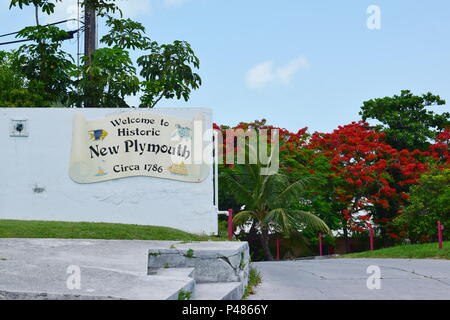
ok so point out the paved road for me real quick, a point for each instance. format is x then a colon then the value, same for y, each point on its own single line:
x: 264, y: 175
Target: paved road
x: 347, y: 279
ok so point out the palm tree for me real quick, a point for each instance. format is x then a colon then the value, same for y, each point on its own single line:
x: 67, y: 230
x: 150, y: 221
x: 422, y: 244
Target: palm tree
x: 270, y: 200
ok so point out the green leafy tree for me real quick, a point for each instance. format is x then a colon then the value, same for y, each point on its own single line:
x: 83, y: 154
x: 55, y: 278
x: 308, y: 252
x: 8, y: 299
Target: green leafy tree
x: 44, y: 64
x: 298, y: 160
x: 125, y: 34
x: 167, y: 72
x: 108, y: 76
x: 14, y: 91
x: 271, y: 201
x: 429, y: 202
x: 47, y: 6
x: 405, y: 120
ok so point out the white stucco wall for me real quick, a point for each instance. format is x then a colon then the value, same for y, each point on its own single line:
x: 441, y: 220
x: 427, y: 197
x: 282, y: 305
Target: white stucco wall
x: 35, y: 184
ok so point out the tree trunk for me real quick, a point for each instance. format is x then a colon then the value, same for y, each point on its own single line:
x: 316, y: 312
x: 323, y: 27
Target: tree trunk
x: 90, y: 31
x: 265, y: 243
x: 253, y: 233
x: 90, y: 43
x: 346, y: 240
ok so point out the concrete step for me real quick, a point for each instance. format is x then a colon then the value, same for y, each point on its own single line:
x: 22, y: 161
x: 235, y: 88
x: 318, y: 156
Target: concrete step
x: 39, y: 281
x: 213, y: 261
x: 183, y: 276
x: 220, y: 269
x: 121, y: 269
x: 219, y: 291
x: 108, y: 269
x: 176, y: 273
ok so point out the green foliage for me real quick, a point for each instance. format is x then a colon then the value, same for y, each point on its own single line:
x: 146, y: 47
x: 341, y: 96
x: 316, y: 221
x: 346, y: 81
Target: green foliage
x: 223, y: 226
x: 254, y: 279
x: 189, y: 253
x: 102, y: 7
x: 154, y: 254
x: 412, y: 251
x: 49, y: 76
x: 93, y: 230
x: 274, y: 204
x: 184, y: 295
x: 125, y: 34
x: 47, y: 68
x: 318, y: 197
x: 429, y: 202
x: 297, y: 161
x: 242, y: 264
x: 108, y: 79
x: 298, y: 245
x: 405, y: 120
x: 14, y: 90
x: 47, y: 6
x: 167, y: 72
x: 271, y: 201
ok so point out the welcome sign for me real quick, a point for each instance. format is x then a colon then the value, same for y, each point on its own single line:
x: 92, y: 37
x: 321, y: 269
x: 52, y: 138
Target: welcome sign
x: 137, y: 144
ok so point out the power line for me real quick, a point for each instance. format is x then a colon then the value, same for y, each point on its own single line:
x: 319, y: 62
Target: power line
x: 70, y: 36
x: 50, y: 24
x: 11, y: 42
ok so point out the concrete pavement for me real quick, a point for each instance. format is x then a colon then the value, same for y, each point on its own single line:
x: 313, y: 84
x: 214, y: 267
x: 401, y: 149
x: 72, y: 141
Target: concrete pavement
x: 119, y: 269
x: 347, y: 279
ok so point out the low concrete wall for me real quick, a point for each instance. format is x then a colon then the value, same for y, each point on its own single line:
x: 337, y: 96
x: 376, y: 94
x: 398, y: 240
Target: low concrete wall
x: 35, y: 184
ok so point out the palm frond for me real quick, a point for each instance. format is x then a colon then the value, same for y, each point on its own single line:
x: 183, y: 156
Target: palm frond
x: 295, y: 189
x: 279, y: 217
x: 306, y: 219
x: 242, y: 217
x: 239, y: 190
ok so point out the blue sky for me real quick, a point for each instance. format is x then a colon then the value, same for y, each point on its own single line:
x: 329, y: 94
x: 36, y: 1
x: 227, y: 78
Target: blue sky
x: 296, y: 63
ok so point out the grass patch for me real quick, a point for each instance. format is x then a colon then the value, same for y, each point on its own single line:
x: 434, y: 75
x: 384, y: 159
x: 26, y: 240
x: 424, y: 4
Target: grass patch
x: 93, y: 230
x: 411, y: 251
x: 254, y: 279
x: 184, y: 295
x: 189, y: 253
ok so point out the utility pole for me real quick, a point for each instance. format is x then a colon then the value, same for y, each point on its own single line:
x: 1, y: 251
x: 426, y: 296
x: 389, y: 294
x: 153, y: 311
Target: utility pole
x: 36, y: 14
x: 90, y: 41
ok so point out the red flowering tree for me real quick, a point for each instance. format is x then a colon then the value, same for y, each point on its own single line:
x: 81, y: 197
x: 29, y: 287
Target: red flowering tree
x: 297, y: 161
x: 362, y: 180
x: 368, y: 174
x: 440, y: 151
x: 272, y: 202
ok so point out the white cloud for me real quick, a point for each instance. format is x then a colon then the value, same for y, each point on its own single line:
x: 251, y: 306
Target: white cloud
x: 286, y: 72
x: 63, y: 10
x: 264, y: 73
x: 260, y: 75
